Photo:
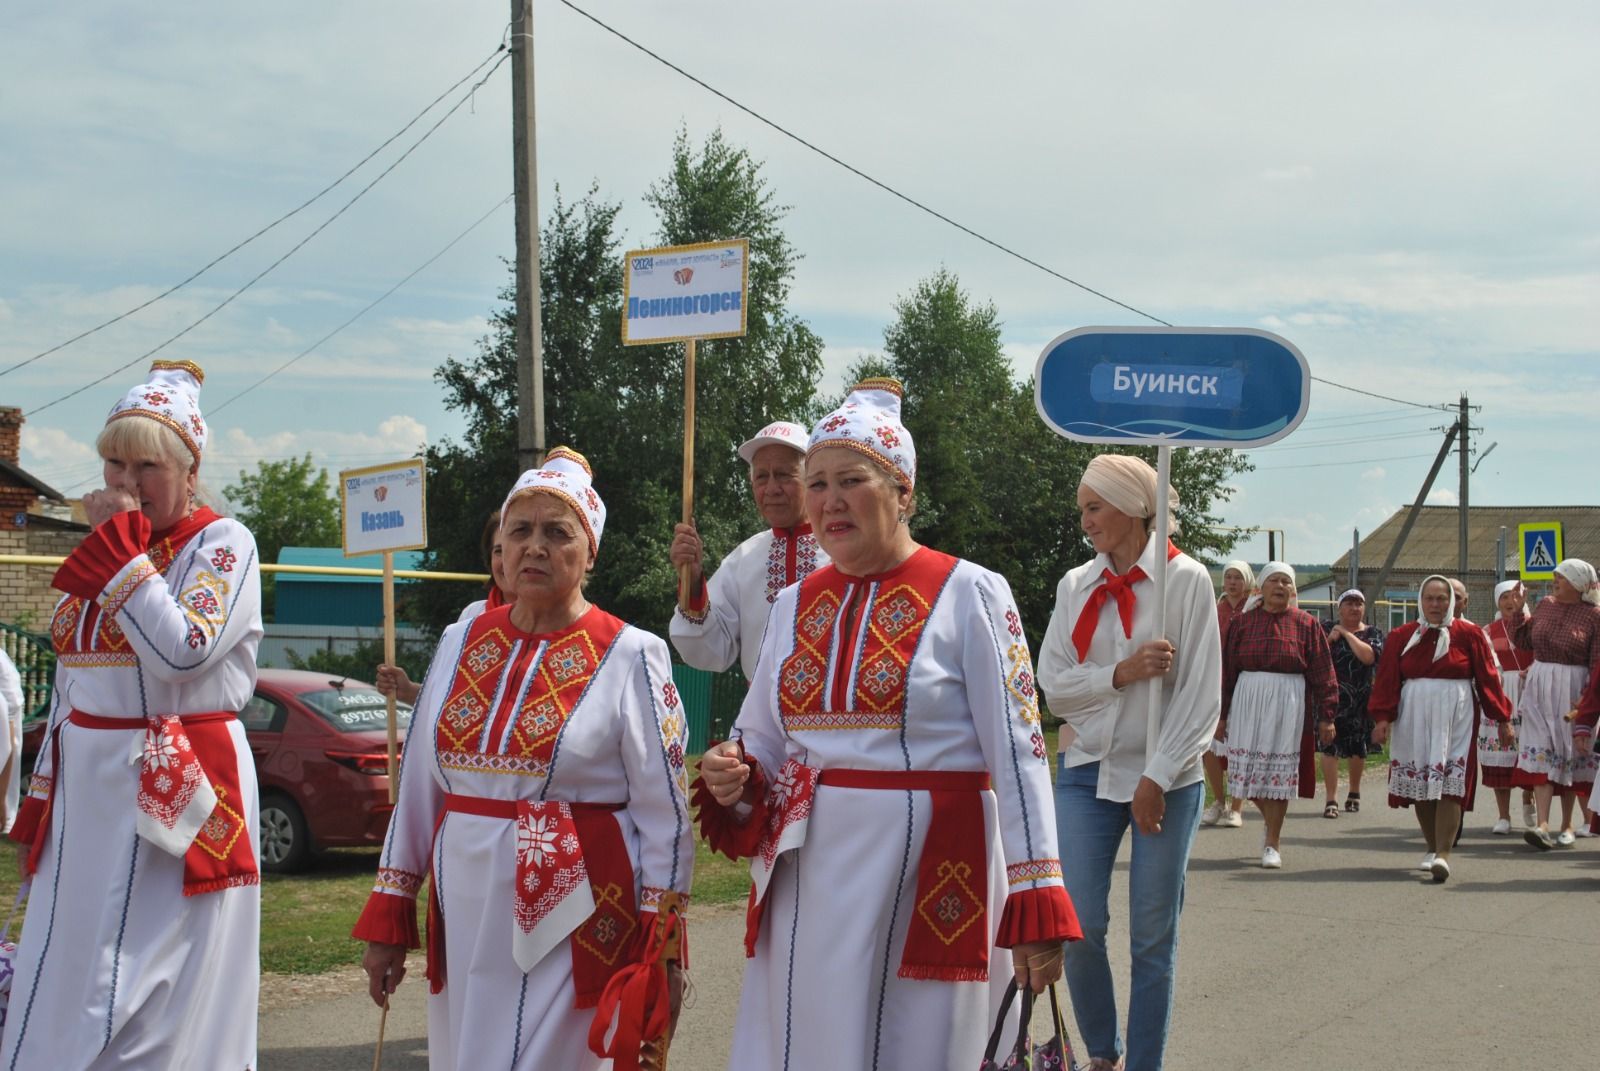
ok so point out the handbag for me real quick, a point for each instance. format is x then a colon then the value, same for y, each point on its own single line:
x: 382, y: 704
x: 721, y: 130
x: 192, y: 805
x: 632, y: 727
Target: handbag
x: 8, y: 954
x: 1054, y: 1055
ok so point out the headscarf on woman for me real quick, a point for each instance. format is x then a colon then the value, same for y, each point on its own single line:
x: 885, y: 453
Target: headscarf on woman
x: 1128, y: 484
x: 1441, y: 645
x: 1581, y: 575
x: 1268, y: 570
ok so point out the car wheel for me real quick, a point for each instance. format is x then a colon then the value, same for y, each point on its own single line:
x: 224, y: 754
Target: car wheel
x: 285, y: 840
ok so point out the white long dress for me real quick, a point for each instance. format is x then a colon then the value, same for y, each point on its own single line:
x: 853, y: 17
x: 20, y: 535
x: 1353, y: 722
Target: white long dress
x: 116, y: 968
x: 585, y: 715
x: 729, y: 616
x: 929, y: 672
x: 11, y: 713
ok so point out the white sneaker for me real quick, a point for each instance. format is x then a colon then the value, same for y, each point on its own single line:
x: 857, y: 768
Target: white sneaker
x: 1530, y: 816
x: 1565, y: 838
x: 1427, y: 861
x: 1232, y: 820
x: 1502, y: 828
x: 1212, y: 814
x: 1270, y: 859
x: 1440, y: 869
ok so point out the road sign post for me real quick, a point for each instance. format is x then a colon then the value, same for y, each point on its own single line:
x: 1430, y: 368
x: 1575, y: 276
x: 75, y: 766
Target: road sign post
x: 1166, y: 387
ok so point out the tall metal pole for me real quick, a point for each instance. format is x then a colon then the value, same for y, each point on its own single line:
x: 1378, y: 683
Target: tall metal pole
x: 525, y: 168
x: 1461, y: 523
x: 1380, y: 586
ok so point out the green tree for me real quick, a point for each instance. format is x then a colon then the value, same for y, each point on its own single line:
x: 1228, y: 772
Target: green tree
x: 285, y: 504
x: 622, y: 406
x: 994, y: 484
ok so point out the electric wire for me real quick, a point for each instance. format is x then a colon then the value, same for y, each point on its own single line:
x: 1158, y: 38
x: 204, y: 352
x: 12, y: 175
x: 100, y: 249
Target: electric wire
x: 368, y: 307
x: 292, y: 250
x: 908, y: 199
x: 313, y: 199
x: 1332, y: 464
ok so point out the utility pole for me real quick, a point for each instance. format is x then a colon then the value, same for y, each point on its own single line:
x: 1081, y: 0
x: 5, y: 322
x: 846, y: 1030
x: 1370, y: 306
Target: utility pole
x: 1461, y: 525
x: 1381, y: 585
x: 525, y: 168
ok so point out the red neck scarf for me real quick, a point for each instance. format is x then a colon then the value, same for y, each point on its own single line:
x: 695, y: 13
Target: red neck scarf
x: 1116, y: 587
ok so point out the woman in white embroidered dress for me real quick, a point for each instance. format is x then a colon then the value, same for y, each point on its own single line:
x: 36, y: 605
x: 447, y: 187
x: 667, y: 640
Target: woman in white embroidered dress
x: 141, y: 942
x: 1436, y: 678
x: 542, y: 789
x: 889, y: 778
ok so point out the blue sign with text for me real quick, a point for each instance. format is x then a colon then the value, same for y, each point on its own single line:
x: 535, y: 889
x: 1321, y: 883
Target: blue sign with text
x: 1172, y: 386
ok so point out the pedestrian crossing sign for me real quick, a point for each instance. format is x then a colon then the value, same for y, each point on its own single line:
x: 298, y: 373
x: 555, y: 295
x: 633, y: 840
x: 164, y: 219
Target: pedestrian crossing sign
x: 1541, y: 549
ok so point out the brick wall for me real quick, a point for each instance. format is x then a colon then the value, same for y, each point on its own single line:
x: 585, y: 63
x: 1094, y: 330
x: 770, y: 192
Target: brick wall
x: 10, y: 433
x: 26, y: 597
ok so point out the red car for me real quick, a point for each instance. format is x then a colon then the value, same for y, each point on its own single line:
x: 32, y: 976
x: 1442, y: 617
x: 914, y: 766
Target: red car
x: 321, y: 749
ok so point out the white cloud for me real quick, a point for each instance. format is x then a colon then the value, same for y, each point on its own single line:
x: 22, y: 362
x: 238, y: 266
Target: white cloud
x: 1442, y: 496
x: 57, y: 457
x: 395, y: 437
x: 1376, y: 472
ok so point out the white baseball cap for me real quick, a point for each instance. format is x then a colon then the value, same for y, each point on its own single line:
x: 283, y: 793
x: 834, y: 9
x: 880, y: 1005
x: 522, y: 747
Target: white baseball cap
x: 779, y: 433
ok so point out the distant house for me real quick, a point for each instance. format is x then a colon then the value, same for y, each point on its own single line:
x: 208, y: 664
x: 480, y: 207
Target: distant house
x: 1433, y: 547
x: 35, y: 519
x: 345, y: 601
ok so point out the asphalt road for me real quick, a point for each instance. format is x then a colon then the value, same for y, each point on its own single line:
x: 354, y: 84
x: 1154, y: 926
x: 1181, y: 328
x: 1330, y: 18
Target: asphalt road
x: 1344, y: 959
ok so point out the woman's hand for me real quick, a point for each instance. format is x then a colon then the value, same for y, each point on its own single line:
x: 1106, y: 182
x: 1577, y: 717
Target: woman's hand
x: 687, y: 550
x: 1037, y: 964
x: 1380, y: 733
x: 392, y: 680
x: 1583, y: 743
x: 1327, y: 732
x: 1149, y: 806
x: 386, y: 967
x: 102, y: 505
x: 1150, y: 659
x: 1222, y: 730
x: 1508, y: 733
x: 725, y: 772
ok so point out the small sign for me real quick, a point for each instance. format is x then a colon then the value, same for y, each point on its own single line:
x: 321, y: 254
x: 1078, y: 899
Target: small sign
x: 1541, y: 549
x: 1172, y: 386
x: 384, y: 507
x: 679, y: 292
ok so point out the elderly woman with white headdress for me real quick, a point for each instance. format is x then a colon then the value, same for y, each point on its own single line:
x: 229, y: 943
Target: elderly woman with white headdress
x: 1127, y: 765
x: 1498, y: 764
x: 1238, y: 585
x: 140, y: 823
x: 888, y: 778
x: 543, y: 793
x: 1279, y: 694
x: 1436, y: 679
x: 1564, y: 635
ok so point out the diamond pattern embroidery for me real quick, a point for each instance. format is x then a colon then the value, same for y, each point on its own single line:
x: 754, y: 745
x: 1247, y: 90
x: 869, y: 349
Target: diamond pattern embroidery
x: 951, y: 906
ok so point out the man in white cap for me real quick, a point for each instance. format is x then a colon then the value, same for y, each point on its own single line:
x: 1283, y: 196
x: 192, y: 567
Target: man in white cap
x: 727, y: 615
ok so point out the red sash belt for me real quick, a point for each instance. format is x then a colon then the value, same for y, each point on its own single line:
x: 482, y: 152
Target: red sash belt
x: 950, y: 933
x: 219, y: 856
x: 602, y: 943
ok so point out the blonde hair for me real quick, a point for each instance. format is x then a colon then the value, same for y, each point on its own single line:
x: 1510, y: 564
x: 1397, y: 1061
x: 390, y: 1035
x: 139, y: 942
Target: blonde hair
x: 135, y: 439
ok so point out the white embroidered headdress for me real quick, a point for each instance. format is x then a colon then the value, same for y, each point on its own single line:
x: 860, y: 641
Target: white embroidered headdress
x: 869, y: 423
x: 1442, y: 644
x: 567, y: 476
x: 171, y: 396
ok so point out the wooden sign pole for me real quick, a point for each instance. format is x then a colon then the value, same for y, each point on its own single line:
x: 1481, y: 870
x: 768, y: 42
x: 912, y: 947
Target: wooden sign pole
x: 688, y: 462
x: 388, y: 658
x: 1159, y: 563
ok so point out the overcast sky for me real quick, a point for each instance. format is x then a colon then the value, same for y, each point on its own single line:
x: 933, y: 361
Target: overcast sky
x: 1407, y: 192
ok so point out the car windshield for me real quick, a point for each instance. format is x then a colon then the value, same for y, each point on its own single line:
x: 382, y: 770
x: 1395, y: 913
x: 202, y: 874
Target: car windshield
x: 355, y: 707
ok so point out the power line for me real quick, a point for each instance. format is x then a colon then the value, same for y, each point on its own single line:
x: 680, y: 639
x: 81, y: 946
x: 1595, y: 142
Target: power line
x: 281, y: 219
x: 1374, y: 394
x: 1359, y: 440
x: 1333, y: 464
x: 368, y: 308
x: 293, y: 249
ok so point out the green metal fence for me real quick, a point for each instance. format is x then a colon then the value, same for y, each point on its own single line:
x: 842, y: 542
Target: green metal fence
x: 710, y: 702
x: 35, y: 661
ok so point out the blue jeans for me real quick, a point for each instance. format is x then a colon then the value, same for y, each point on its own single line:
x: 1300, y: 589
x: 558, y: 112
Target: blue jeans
x: 1090, y: 831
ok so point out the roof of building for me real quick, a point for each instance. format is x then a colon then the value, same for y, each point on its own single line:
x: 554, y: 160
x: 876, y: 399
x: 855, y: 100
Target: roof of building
x: 17, y: 476
x: 333, y: 557
x: 1433, y: 543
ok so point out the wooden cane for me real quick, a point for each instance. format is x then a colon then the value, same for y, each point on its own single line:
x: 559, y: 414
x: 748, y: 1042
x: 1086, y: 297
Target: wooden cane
x: 670, y: 907
x: 383, y: 1020
x: 388, y: 658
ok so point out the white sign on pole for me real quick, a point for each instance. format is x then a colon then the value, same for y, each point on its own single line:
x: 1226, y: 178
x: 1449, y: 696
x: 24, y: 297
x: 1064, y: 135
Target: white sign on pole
x: 384, y: 508
x: 683, y: 292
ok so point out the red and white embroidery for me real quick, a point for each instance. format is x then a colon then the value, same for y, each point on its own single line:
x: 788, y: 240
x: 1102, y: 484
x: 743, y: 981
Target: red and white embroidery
x: 175, y: 797
x: 552, y: 893
x: 788, y: 814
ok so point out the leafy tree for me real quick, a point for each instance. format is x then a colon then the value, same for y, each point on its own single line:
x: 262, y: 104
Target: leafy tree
x: 622, y: 406
x: 285, y: 504
x: 362, y: 663
x: 994, y: 484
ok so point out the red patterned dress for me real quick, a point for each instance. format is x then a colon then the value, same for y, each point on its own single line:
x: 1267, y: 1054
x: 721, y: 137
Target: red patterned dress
x: 1435, y: 705
x: 1227, y: 614
x: 1565, y: 641
x: 542, y: 789
x: 1499, y: 763
x: 906, y: 835
x: 1278, y: 682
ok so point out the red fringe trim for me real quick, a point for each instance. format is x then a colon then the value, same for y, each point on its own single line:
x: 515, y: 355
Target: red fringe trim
x: 1041, y: 914
x: 724, y: 833
x: 388, y: 920
x: 26, y: 827
x: 925, y: 973
x: 233, y: 881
